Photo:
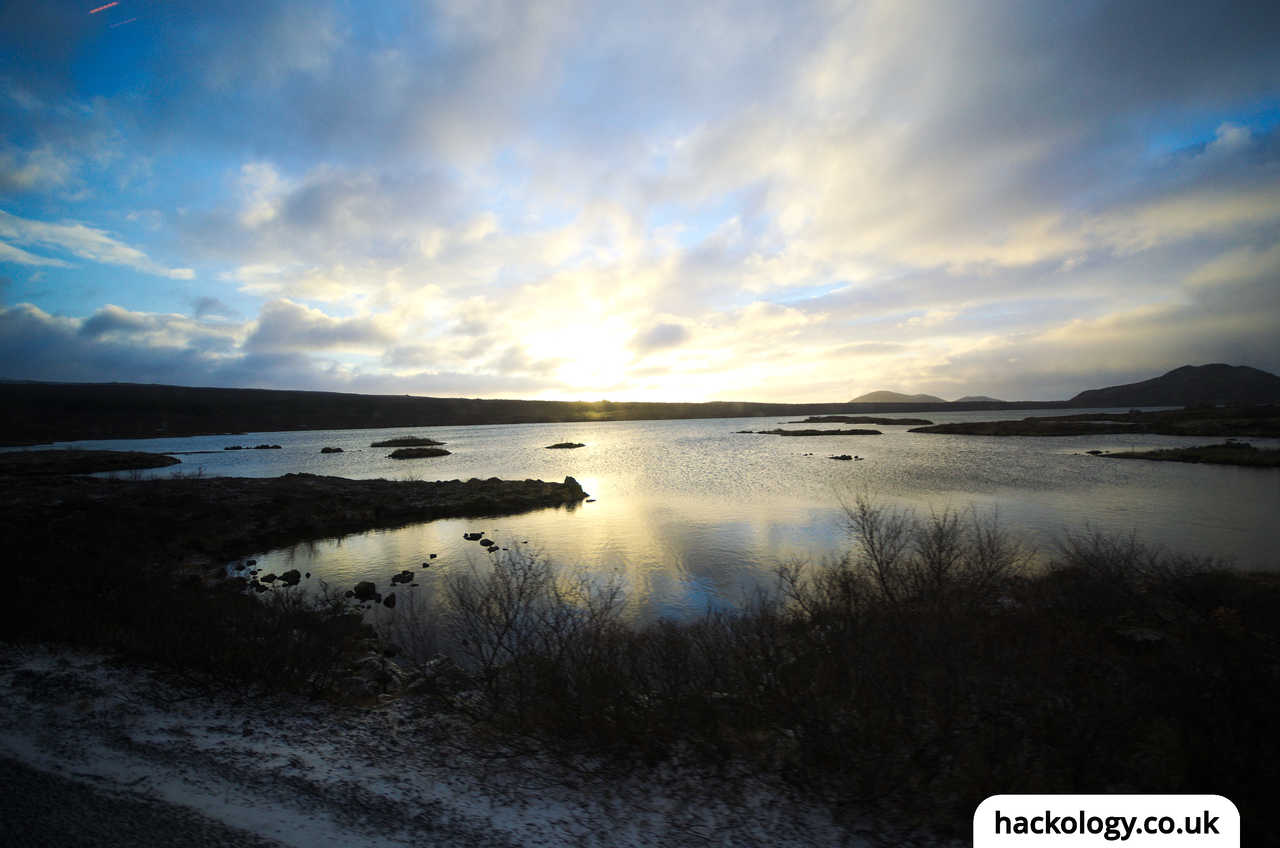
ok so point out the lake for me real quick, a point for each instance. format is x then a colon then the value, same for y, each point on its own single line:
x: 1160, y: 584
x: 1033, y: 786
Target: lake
x: 690, y: 514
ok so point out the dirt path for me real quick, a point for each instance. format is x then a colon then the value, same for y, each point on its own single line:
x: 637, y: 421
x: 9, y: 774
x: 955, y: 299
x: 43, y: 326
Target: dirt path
x: 102, y: 752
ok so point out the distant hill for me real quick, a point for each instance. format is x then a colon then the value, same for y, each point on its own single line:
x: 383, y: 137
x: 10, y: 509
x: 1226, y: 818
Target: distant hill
x: 1188, y: 386
x: 977, y: 399
x: 895, y: 397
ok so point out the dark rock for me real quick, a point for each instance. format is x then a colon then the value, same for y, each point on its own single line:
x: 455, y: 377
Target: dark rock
x: 330, y: 450
x: 233, y: 447
x: 402, y: 577
x: 268, y: 578
x: 566, y: 446
x: 473, y: 537
x: 432, y: 556
x: 365, y: 591
x: 843, y: 456
x: 406, y: 442
x: 417, y: 453
x: 488, y: 543
x: 251, y: 562
x: 291, y: 577
x: 389, y: 602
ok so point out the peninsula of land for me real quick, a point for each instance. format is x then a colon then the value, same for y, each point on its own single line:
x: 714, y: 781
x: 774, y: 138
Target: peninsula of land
x: 1227, y: 453
x: 1256, y: 421
x: 53, y: 517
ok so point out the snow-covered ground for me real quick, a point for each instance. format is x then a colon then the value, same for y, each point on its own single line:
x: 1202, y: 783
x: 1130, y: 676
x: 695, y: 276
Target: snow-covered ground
x: 305, y: 773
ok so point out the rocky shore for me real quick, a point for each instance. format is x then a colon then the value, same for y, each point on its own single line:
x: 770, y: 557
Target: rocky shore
x: 53, y: 462
x: 219, y: 518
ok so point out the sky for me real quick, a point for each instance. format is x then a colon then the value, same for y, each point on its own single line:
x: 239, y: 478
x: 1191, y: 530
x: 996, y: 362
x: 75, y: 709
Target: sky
x: 767, y: 201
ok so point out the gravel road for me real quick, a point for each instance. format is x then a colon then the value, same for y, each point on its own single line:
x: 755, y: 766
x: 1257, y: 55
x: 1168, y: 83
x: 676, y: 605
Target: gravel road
x: 43, y: 810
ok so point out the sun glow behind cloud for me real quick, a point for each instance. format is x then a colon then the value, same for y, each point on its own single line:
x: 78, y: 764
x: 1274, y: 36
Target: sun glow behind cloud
x: 765, y: 201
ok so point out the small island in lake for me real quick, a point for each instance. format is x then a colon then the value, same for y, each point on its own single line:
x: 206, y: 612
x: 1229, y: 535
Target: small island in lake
x: 417, y: 453
x: 859, y: 419
x: 566, y: 446
x: 1227, y: 453
x: 781, y: 432
x: 406, y: 442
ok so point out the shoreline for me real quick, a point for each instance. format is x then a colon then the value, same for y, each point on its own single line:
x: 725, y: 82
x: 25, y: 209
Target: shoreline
x: 59, y: 518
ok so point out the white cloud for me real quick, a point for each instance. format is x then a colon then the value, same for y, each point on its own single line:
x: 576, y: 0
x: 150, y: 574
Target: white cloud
x: 9, y: 253
x: 85, y: 242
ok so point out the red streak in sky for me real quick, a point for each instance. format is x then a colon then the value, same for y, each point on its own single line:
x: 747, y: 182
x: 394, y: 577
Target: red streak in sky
x: 108, y: 6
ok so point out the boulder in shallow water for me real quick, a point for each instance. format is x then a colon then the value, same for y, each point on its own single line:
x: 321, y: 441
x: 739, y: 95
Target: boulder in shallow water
x: 389, y: 601
x: 291, y: 577
x: 366, y: 591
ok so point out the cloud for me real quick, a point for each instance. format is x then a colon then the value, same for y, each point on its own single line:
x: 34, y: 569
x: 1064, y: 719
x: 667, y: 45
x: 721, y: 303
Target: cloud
x: 79, y: 240
x: 211, y: 307
x: 9, y: 253
x: 29, y: 169
x: 660, y: 336
x: 113, y: 319
x: 286, y: 326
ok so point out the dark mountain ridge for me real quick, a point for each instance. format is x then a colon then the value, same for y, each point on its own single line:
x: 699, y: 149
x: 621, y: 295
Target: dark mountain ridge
x: 1191, y: 385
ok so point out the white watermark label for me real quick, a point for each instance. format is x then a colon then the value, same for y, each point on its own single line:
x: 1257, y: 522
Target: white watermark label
x: 1210, y: 821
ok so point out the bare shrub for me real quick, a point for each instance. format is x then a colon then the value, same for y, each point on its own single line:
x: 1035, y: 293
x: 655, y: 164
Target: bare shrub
x: 909, y: 559
x: 527, y: 630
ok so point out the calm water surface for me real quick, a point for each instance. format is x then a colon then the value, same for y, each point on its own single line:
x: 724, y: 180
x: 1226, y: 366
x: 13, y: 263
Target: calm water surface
x: 690, y: 513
